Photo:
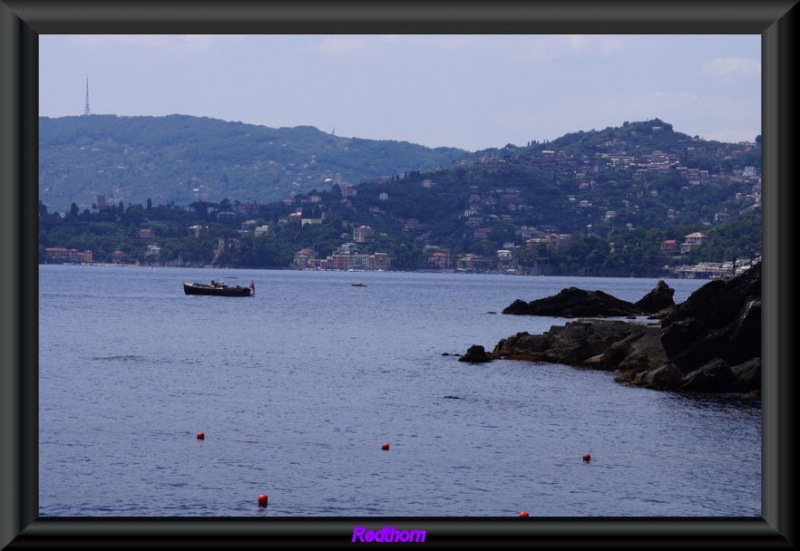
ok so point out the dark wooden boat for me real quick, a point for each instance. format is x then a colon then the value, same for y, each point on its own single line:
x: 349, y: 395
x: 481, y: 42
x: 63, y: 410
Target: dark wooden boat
x: 358, y: 284
x: 218, y: 289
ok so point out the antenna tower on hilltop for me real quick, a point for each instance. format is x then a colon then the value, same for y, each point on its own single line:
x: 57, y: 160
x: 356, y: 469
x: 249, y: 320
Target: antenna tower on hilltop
x: 86, y: 111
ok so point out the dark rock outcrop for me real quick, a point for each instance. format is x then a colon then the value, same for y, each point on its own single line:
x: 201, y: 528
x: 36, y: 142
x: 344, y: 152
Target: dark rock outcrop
x: 573, y: 302
x: 658, y: 299
x: 575, y: 343
x: 748, y: 375
x: 476, y: 354
x: 709, y: 343
x: 715, y: 376
x: 722, y: 319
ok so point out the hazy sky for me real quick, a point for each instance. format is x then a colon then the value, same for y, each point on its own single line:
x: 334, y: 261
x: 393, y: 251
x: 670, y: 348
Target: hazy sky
x: 468, y: 91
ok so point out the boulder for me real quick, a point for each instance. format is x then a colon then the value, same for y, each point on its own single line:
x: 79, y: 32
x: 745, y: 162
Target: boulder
x: 475, y: 354
x: 523, y: 346
x: 715, y: 376
x: 639, y: 352
x: 580, y: 340
x: 722, y: 319
x: 666, y: 377
x: 658, y: 299
x: 748, y: 375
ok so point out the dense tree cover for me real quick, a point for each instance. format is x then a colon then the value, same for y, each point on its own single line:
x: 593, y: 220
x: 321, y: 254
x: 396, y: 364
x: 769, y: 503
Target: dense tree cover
x: 616, y: 207
x: 181, y: 159
x: 608, y: 249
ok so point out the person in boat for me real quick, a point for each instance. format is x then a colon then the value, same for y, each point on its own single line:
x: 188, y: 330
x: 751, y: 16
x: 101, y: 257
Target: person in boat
x: 213, y: 283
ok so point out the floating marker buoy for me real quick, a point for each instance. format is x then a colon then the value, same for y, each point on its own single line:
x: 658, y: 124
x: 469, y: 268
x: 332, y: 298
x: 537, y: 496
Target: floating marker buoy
x: 587, y: 457
x: 262, y: 500
x: 201, y: 435
x: 385, y: 446
x: 524, y: 514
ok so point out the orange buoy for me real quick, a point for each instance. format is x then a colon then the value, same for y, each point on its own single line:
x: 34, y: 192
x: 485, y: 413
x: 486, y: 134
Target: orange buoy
x: 587, y: 457
x: 262, y: 500
x: 385, y: 446
x: 201, y: 435
x: 524, y: 514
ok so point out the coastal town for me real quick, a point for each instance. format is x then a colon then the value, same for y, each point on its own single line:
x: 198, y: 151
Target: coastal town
x: 475, y: 217
x: 347, y: 258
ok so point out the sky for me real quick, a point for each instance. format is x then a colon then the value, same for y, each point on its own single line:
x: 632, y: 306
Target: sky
x: 471, y: 92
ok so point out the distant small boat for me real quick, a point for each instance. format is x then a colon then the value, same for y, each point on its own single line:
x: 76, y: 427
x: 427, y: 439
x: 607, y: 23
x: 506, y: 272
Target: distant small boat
x: 218, y: 289
x: 358, y: 284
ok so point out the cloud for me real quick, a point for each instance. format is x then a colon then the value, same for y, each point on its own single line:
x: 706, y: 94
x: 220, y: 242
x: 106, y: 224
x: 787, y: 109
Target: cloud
x: 733, y: 67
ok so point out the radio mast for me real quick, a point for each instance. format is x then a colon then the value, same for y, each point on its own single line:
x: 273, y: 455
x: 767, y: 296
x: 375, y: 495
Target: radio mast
x: 86, y: 111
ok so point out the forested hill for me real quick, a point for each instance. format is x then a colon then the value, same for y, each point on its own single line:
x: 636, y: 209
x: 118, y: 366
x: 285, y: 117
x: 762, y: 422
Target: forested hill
x: 182, y: 159
x: 621, y: 201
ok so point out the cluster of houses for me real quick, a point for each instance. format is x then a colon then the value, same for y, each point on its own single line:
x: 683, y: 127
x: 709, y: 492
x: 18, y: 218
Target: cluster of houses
x: 60, y: 255
x: 715, y: 270
x: 345, y: 258
x: 671, y: 247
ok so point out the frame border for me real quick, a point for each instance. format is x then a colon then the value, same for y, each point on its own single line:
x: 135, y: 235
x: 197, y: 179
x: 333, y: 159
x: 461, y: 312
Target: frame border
x: 21, y: 21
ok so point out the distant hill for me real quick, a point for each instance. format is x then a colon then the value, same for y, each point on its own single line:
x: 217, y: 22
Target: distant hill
x: 618, y: 201
x: 182, y: 159
x: 639, y: 175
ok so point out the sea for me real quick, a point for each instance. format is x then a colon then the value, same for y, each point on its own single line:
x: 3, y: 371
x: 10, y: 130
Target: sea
x: 297, y: 389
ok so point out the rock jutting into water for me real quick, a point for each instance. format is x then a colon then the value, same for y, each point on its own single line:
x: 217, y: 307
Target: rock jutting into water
x: 657, y: 300
x: 573, y: 302
x: 476, y: 354
x: 709, y: 343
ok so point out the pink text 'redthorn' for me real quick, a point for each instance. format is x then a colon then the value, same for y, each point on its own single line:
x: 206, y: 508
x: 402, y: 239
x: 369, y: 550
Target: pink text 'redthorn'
x: 387, y: 534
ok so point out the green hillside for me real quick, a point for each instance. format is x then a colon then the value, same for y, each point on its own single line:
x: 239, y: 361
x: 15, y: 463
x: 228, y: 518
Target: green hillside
x: 181, y: 159
x: 620, y: 201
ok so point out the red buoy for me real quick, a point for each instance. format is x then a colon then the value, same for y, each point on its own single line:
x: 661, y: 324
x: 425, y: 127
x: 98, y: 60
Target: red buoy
x: 200, y: 436
x: 385, y: 446
x: 587, y: 457
x: 524, y: 514
x: 262, y: 500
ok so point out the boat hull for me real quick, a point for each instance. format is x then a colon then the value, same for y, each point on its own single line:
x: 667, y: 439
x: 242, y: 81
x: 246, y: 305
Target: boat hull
x: 208, y: 290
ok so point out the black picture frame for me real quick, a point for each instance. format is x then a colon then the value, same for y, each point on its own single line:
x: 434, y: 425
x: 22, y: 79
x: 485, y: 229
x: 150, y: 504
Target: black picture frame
x: 21, y: 22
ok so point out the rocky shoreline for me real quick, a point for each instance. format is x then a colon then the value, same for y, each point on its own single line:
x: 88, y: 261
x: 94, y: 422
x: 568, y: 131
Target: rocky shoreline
x: 709, y: 343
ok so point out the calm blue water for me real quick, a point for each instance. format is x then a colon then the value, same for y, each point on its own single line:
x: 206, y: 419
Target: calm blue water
x: 297, y: 388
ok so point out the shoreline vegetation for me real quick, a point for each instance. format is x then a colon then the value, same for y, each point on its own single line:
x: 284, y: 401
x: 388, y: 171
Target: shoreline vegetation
x: 702, y: 270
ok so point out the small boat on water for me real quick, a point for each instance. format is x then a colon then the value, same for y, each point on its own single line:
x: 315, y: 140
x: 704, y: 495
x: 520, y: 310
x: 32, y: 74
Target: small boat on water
x: 218, y: 289
x: 358, y: 284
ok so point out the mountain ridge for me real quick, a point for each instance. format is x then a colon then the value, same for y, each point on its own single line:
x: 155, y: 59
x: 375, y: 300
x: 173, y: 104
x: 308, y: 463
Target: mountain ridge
x: 181, y: 159
x: 622, y: 200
